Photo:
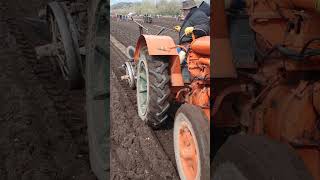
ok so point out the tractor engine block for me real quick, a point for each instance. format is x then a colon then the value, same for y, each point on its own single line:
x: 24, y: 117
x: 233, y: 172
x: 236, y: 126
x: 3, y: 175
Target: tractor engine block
x: 199, y: 66
x: 199, y: 92
x: 199, y: 96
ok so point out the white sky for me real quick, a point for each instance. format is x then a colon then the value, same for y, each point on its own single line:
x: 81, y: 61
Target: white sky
x: 116, y: 1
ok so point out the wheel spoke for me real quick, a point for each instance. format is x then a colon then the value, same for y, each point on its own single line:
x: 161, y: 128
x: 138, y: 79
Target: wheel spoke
x: 63, y: 65
x: 56, y: 39
x: 53, y: 29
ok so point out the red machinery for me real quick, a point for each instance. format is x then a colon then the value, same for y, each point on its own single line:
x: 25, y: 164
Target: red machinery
x: 267, y: 88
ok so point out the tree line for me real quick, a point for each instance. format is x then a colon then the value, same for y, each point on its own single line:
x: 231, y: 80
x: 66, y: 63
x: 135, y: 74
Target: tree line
x: 153, y: 7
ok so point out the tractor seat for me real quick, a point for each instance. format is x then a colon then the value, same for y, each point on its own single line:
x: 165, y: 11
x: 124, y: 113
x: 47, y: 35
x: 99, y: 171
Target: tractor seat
x: 201, y: 45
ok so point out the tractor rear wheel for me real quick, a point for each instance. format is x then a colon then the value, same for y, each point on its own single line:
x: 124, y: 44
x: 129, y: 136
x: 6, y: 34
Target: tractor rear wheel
x: 153, y: 88
x: 192, y: 143
x: 246, y: 157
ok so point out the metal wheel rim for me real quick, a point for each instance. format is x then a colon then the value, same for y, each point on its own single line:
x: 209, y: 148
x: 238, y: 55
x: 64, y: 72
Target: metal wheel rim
x: 182, y: 122
x: 129, y: 73
x: 57, y: 40
x: 188, y: 152
x: 142, y: 86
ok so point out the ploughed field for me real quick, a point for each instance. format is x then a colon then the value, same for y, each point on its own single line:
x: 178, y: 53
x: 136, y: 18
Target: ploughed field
x: 137, y: 151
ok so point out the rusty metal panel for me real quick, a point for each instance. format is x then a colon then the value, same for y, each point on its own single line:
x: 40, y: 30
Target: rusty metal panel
x: 221, y: 55
x: 223, y: 66
x: 304, y: 4
x: 311, y: 158
x: 175, y: 71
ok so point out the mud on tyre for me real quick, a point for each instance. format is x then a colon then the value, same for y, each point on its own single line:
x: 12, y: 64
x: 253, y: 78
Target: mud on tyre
x: 152, y: 88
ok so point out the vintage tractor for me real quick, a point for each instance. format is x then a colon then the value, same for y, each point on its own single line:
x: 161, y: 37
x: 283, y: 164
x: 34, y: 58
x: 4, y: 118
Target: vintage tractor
x: 266, y: 109
x: 154, y: 70
x: 79, y: 37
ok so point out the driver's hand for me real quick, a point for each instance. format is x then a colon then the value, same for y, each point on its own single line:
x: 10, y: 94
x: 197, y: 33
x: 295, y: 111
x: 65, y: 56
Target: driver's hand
x: 177, y: 28
x: 188, y: 30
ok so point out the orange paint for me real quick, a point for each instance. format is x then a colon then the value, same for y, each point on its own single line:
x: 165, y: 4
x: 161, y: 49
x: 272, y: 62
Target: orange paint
x: 175, y: 72
x: 311, y: 158
x: 157, y: 46
x: 201, y: 45
x: 188, y: 153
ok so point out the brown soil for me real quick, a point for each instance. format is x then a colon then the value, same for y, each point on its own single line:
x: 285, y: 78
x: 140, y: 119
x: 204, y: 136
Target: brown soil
x: 138, y: 152
x: 42, y: 125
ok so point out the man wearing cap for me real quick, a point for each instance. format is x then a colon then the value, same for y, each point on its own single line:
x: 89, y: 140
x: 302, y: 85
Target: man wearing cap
x: 195, y: 20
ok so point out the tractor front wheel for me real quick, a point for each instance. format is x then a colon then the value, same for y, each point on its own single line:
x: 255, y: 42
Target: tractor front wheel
x: 192, y: 143
x: 152, y: 88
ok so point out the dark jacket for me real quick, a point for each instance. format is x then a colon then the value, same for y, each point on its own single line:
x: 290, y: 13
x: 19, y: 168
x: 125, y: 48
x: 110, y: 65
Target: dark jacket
x: 205, y: 7
x: 197, y: 19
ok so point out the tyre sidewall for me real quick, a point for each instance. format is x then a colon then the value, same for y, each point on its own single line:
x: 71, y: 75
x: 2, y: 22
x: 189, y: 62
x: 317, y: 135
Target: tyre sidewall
x: 198, y: 125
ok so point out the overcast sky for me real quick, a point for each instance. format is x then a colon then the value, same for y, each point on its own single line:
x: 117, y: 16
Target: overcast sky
x: 116, y: 1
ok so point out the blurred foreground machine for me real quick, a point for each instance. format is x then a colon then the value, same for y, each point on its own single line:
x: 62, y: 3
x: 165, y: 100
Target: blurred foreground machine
x: 266, y: 67
x: 78, y: 47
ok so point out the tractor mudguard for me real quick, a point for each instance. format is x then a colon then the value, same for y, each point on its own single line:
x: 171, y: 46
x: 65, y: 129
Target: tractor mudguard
x: 157, y: 46
x: 162, y: 46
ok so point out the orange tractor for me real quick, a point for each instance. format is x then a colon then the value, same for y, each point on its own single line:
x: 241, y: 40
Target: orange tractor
x: 154, y: 70
x: 266, y: 76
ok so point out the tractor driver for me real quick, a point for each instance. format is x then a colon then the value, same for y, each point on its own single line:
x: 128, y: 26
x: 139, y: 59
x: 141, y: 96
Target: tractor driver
x: 195, y: 21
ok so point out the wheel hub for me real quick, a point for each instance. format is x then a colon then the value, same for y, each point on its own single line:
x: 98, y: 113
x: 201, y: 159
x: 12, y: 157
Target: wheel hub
x: 130, y: 75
